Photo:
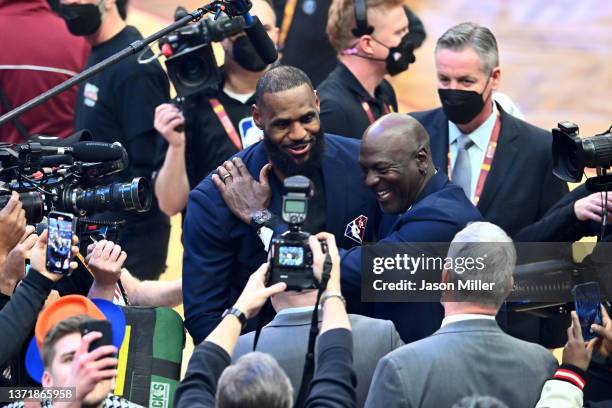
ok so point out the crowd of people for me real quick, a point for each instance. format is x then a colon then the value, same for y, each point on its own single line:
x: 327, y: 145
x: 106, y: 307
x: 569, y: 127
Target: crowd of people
x: 471, y: 173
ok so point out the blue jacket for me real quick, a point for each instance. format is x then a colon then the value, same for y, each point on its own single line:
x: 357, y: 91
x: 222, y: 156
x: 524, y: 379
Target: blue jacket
x: 221, y: 251
x: 440, y: 211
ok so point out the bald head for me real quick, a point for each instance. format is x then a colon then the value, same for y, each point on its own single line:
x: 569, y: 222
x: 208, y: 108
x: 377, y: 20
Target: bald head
x: 396, y: 160
x: 397, y: 132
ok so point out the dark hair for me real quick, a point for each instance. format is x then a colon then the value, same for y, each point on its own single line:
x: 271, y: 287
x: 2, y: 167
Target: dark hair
x: 278, y: 79
x: 122, y: 8
x: 59, y: 331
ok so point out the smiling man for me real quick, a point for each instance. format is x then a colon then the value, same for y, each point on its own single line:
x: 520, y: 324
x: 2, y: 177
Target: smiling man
x: 396, y: 162
x: 222, y: 245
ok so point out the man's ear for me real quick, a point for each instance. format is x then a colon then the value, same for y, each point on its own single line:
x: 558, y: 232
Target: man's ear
x: 256, y: 113
x: 47, y: 380
x: 365, y: 44
x: 496, y: 78
x: 446, y: 276
x: 422, y: 158
x: 109, y: 4
x: 317, y: 101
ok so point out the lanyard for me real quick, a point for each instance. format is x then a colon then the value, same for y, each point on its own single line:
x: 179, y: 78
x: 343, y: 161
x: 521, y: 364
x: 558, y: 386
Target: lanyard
x: 226, y: 122
x: 486, y: 164
x: 368, y: 110
x: 288, y: 13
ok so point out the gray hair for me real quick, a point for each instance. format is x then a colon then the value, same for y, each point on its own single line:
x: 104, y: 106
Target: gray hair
x: 477, y: 401
x: 493, y: 260
x: 256, y: 380
x: 475, y: 36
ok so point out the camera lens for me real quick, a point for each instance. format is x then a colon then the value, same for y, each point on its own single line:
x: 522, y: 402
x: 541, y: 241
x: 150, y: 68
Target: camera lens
x: 136, y: 195
x: 192, y: 70
x: 31, y: 202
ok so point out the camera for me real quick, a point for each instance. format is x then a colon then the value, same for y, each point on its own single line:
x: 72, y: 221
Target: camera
x: 69, y: 187
x: 191, y: 63
x: 290, y: 254
x: 571, y: 154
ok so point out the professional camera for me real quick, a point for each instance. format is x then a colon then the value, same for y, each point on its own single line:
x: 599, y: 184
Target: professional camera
x: 191, y: 63
x: 571, y: 154
x: 69, y: 185
x: 291, y: 256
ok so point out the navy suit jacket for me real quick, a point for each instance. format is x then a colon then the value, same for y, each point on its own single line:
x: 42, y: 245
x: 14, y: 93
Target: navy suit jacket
x: 221, y: 251
x: 521, y: 186
x: 440, y: 211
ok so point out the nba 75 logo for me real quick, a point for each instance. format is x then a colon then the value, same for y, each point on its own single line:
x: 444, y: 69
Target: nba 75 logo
x: 356, y: 229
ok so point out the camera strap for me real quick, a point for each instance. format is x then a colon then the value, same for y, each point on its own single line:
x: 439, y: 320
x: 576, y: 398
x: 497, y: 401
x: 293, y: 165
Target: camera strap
x: 226, y: 122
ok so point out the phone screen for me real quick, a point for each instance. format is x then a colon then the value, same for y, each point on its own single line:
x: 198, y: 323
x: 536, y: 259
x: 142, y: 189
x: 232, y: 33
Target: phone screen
x: 59, y: 243
x: 587, y: 302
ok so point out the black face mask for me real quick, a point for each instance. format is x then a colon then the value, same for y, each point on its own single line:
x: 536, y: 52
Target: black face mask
x: 461, y: 106
x: 399, y: 56
x: 246, y: 56
x: 81, y: 19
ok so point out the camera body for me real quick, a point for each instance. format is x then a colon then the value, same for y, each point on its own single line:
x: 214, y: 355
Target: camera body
x: 290, y: 254
x: 191, y: 63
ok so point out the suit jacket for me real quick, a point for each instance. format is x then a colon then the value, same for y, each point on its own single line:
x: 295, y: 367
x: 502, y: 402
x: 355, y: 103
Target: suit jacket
x: 221, y: 251
x: 520, y: 187
x: 459, y: 360
x: 440, y: 211
x: 286, y: 339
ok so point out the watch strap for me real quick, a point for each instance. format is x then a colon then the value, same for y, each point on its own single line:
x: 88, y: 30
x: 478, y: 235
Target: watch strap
x: 234, y: 311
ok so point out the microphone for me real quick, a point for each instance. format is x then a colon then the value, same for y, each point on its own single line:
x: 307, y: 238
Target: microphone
x: 56, y: 160
x: 259, y: 39
x: 97, y: 151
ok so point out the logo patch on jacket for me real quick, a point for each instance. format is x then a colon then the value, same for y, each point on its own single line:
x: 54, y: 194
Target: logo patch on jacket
x: 355, y: 229
x: 90, y: 94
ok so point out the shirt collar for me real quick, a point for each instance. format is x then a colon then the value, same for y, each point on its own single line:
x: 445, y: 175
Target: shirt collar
x: 480, y: 136
x: 290, y: 310
x: 463, y: 317
x: 351, y: 81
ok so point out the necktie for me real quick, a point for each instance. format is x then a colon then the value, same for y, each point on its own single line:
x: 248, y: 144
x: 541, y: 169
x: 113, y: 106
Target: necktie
x: 462, y: 172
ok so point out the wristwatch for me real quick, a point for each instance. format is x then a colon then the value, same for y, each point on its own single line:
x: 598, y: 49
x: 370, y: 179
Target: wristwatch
x: 264, y: 218
x: 236, y: 312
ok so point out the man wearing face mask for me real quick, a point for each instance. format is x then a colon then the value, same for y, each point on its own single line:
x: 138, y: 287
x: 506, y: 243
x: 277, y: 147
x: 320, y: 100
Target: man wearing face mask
x: 371, y: 38
x: 503, y: 164
x: 206, y: 142
x: 118, y: 104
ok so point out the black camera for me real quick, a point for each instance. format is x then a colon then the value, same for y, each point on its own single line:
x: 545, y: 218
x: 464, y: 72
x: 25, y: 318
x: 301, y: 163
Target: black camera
x: 69, y: 187
x: 571, y: 154
x: 291, y: 257
x: 191, y: 63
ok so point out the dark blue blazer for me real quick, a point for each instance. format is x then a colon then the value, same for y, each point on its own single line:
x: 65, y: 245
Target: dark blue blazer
x: 440, y: 211
x: 221, y: 251
x: 520, y: 187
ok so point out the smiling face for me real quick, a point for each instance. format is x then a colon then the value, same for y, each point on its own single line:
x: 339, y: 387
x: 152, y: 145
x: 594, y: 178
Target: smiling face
x: 394, y: 166
x: 292, y: 130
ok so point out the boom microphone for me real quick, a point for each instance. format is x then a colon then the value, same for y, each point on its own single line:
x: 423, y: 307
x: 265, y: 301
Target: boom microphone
x: 259, y: 38
x: 97, y: 151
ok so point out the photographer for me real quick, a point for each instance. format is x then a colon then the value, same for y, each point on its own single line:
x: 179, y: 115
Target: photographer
x: 19, y: 314
x: 105, y: 261
x: 333, y: 384
x: 206, y: 140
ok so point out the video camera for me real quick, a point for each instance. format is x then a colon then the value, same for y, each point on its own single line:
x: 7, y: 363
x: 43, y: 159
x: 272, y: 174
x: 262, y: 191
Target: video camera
x: 571, y: 154
x: 291, y: 256
x: 191, y: 63
x: 63, y: 178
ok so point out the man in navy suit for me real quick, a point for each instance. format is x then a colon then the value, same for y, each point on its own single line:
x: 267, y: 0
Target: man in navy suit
x: 395, y: 158
x: 221, y: 245
x: 518, y: 186
x: 503, y: 163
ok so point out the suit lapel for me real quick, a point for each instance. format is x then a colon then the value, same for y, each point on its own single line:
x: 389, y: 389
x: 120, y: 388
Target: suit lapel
x: 336, y: 182
x: 504, y: 159
x: 439, y: 141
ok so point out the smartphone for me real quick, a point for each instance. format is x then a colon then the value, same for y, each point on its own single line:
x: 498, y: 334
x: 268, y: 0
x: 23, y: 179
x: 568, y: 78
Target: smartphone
x: 102, y: 326
x: 59, y: 243
x: 587, y: 302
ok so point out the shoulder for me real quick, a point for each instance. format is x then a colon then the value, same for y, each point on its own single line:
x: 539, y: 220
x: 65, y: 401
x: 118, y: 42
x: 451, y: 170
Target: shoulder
x: 387, y: 89
x: 429, y: 116
x: 360, y: 322
x: 343, y: 144
x: 537, y: 138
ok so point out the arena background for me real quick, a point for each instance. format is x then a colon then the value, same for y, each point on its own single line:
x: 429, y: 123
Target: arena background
x: 555, y: 59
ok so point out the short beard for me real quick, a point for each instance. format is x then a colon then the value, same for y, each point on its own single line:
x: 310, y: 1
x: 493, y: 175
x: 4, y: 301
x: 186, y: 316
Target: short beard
x: 283, y: 161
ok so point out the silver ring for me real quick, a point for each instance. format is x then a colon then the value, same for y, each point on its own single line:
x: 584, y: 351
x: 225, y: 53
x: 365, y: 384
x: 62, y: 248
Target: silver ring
x: 226, y: 177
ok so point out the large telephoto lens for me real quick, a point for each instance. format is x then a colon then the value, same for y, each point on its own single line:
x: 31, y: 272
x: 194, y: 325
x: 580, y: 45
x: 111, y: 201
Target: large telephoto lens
x: 136, y: 195
x: 31, y: 202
